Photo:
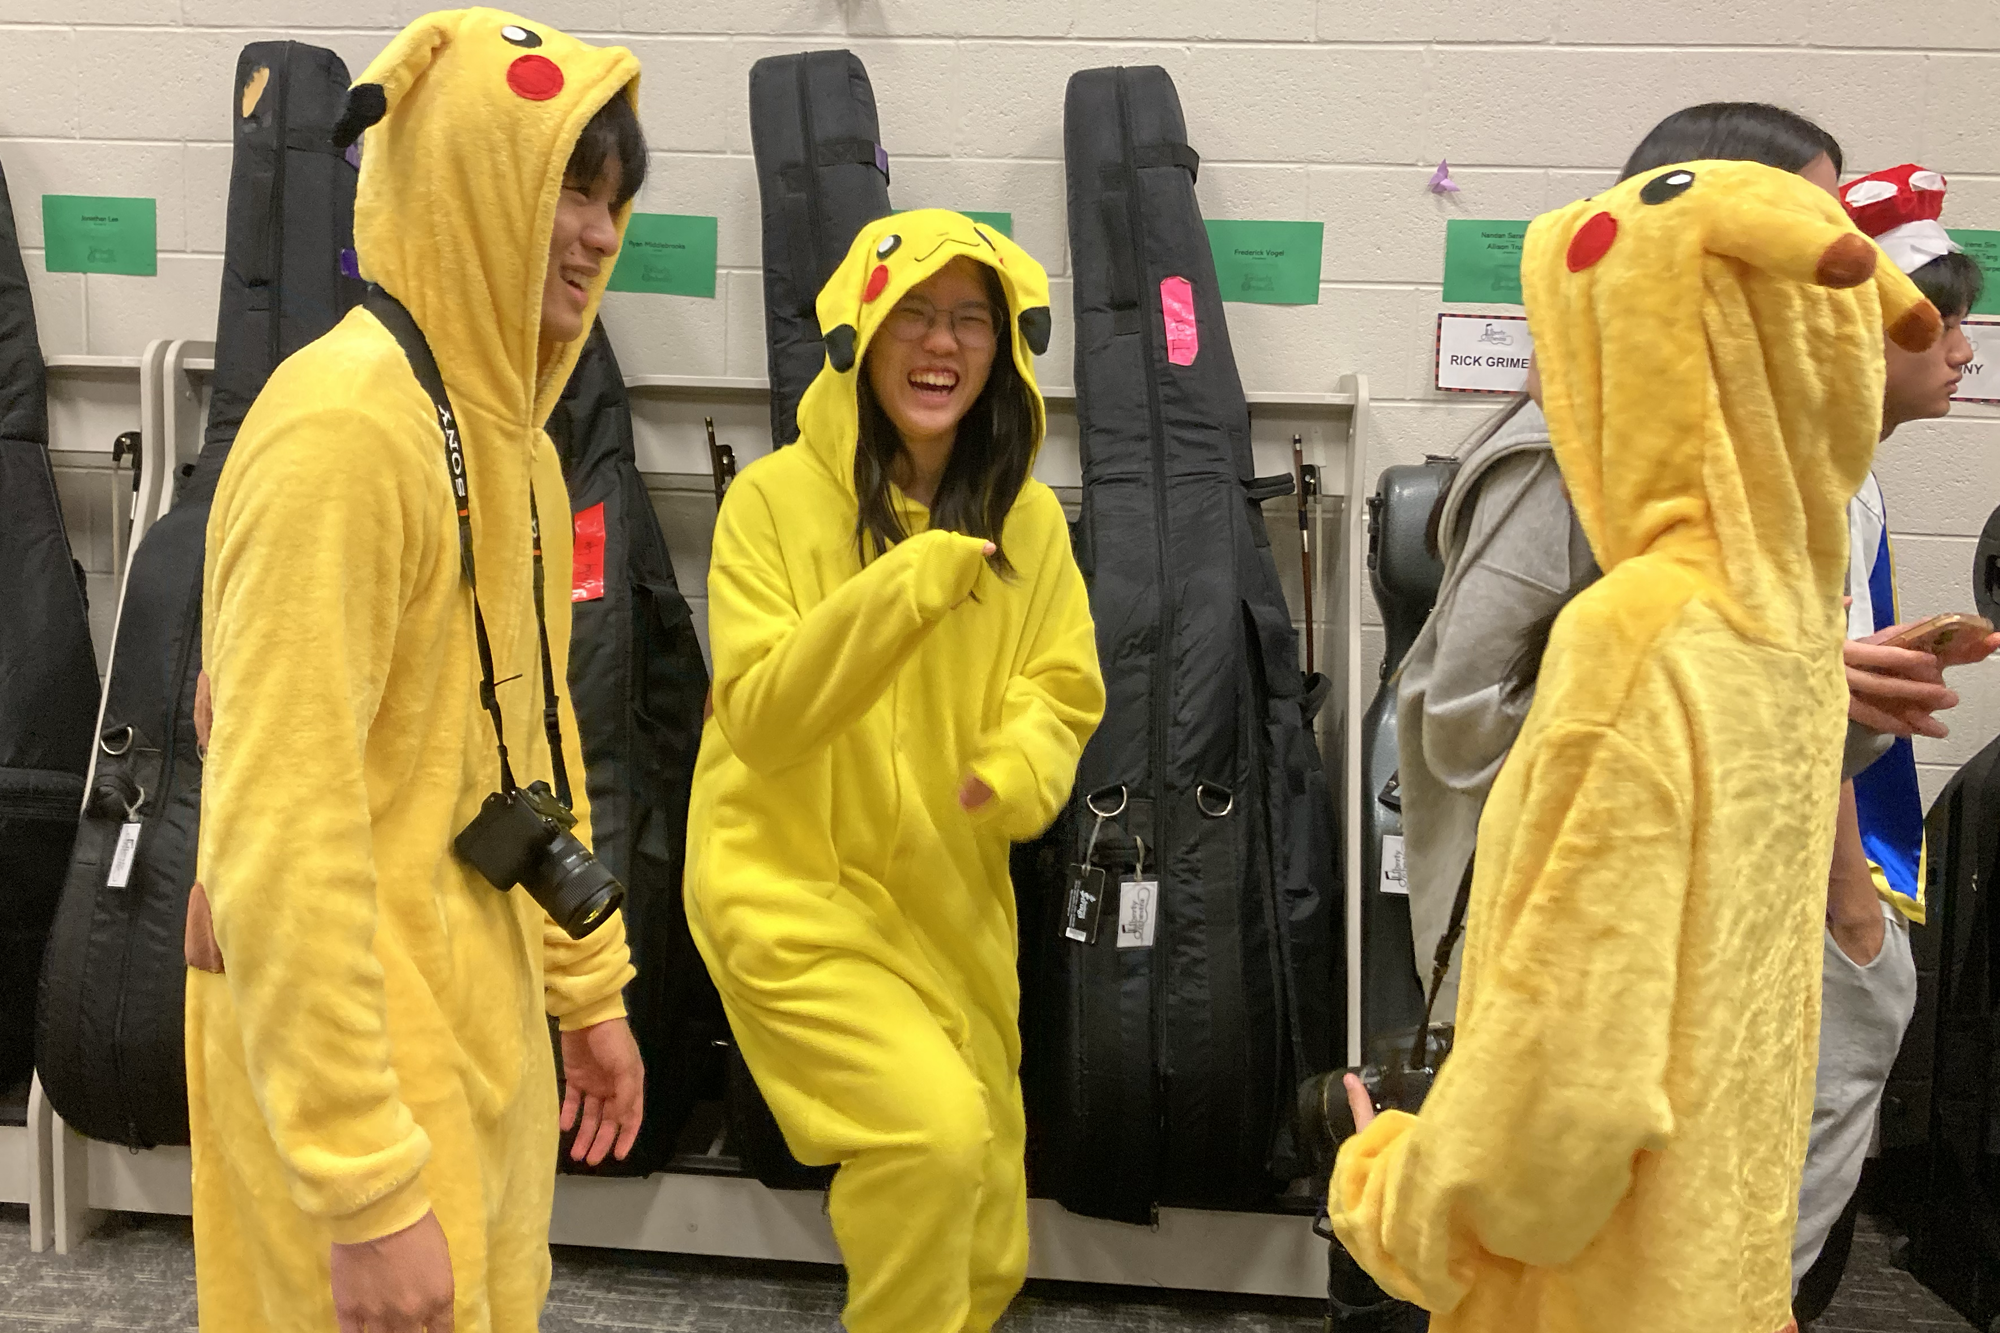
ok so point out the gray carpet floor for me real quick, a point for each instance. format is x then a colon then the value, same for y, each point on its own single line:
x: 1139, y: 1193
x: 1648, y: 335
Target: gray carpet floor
x: 137, y: 1272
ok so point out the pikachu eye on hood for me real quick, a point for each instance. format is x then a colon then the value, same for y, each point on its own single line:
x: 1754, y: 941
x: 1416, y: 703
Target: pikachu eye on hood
x: 890, y: 256
x: 469, y: 117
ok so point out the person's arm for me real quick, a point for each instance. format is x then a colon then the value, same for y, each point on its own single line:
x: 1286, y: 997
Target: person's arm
x: 1557, y: 1082
x: 786, y: 684
x: 1853, y: 908
x: 1052, y: 703
x: 308, y: 551
x: 1517, y: 575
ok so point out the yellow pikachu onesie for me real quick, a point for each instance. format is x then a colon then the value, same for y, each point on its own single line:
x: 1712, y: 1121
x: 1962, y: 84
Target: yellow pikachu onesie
x: 858, y: 923
x: 1616, y: 1141
x: 377, y: 1046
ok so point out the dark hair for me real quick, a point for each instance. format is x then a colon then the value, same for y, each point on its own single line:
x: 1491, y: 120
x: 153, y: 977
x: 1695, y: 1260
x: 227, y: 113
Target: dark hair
x: 989, y: 458
x: 1735, y: 132
x: 613, y: 133
x: 1952, y: 283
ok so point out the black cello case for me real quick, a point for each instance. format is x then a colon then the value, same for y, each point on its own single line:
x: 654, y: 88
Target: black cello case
x: 637, y: 681
x: 109, y: 1024
x: 48, y: 672
x: 1166, y: 1073
x: 822, y: 176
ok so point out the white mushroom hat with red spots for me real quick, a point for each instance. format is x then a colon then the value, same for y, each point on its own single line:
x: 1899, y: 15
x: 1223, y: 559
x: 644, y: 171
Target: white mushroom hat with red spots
x: 1900, y: 208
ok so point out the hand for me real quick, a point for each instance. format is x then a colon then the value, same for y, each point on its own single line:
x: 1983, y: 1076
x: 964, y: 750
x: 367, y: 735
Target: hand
x: 204, y: 713
x: 1358, y: 1102
x: 972, y: 793
x: 987, y: 551
x: 1895, y: 690
x: 399, y: 1283
x: 1966, y: 652
x: 604, y: 1083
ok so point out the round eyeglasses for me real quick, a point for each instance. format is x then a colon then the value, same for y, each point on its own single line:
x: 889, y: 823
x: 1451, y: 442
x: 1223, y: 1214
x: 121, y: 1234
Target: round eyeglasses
x: 971, y: 322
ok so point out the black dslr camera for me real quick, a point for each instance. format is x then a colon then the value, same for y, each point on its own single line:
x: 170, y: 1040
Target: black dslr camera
x: 1398, y: 1077
x: 523, y: 837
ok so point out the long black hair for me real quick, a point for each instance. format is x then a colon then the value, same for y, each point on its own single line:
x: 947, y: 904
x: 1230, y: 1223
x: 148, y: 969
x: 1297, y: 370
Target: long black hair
x: 1717, y: 132
x: 989, y: 460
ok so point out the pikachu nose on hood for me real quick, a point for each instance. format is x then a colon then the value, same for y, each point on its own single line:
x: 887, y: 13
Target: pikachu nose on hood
x: 466, y: 121
x: 889, y: 257
x: 1710, y: 341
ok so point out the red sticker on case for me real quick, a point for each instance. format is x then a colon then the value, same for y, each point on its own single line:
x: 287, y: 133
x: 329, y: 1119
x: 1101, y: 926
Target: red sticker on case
x: 587, y: 556
x: 1177, y: 311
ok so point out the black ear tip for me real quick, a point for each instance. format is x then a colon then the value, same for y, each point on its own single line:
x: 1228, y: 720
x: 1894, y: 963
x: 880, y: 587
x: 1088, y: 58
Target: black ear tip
x: 1035, y: 326
x: 366, y: 105
x: 840, y: 348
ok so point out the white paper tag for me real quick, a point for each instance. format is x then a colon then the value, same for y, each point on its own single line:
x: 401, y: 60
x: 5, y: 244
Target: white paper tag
x: 122, y: 854
x: 1394, y: 878
x: 1138, y: 912
x: 1483, y: 353
x: 1980, y: 381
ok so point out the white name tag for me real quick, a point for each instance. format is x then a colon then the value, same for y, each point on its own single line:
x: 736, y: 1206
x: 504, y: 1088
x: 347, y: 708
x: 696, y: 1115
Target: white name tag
x: 122, y: 854
x: 1395, y: 879
x: 1138, y: 913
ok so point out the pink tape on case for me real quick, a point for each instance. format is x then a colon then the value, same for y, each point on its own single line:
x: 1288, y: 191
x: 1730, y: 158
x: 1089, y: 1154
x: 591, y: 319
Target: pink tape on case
x: 1177, y: 310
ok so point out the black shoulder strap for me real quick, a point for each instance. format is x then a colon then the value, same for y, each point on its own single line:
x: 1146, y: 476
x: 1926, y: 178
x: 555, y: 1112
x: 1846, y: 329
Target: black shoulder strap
x: 396, y: 318
x: 1441, y: 961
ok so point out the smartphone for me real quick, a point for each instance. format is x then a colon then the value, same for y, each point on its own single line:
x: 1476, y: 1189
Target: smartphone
x: 1937, y: 634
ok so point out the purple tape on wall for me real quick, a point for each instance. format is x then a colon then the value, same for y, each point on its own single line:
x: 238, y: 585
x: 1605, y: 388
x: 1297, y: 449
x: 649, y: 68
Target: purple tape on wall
x: 881, y: 160
x: 353, y: 155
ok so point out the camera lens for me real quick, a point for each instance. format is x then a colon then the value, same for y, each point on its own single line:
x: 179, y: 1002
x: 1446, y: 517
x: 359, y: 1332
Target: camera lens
x: 573, y: 886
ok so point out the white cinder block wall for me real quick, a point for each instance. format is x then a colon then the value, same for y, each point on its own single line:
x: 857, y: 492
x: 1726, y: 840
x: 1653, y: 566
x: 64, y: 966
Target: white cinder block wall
x: 1334, y: 111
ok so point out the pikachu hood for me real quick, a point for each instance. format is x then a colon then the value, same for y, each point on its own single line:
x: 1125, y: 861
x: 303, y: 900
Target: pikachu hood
x: 888, y: 258
x: 461, y: 108
x: 1616, y: 1140
x: 377, y: 1044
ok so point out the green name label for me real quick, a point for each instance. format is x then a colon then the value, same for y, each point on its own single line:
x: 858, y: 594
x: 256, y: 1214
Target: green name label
x: 667, y: 254
x: 1983, y: 246
x: 1000, y: 222
x: 1482, y: 260
x: 1270, y: 263
x: 90, y: 234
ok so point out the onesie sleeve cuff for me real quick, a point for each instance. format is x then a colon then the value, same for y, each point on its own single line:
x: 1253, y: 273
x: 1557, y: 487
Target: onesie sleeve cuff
x: 590, y: 1015
x: 1012, y: 779
x: 399, y: 1209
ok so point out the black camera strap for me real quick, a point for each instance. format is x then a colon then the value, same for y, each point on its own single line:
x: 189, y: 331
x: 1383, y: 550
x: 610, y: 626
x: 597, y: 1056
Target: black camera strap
x: 397, y: 319
x: 1441, y: 962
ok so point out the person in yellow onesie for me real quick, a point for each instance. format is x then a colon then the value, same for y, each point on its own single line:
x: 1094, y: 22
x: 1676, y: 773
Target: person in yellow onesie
x: 372, y: 1092
x: 1616, y: 1140
x: 905, y: 674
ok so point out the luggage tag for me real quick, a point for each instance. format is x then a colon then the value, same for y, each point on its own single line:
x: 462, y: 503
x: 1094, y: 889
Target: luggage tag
x: 1138, y: 905
x: 127, y: 846
x: 1083, y: 907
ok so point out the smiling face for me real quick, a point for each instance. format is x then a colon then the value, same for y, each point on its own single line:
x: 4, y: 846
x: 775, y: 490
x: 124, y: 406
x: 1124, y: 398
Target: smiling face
x: 583, y: 241
x: 930, y: 360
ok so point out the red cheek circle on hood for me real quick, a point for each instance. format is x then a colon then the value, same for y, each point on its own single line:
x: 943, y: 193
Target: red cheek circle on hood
x: 876, y: 282
x: 536, y: 78
x: 1591, y: 242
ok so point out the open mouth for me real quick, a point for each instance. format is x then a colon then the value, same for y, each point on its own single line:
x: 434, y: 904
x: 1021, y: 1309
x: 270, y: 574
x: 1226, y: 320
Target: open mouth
x: 577, y: 282
x: 934, y: 386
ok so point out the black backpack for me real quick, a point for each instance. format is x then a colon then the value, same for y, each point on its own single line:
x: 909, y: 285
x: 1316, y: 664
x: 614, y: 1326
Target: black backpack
x: 1172, y: 1020
x: 637, y: 681
x: 48, y: 673
x: 109, y: 1039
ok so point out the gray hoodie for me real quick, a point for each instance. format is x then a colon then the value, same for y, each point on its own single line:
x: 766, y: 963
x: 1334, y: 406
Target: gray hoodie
x: 1513, y: 553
